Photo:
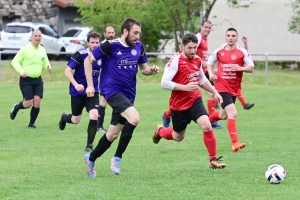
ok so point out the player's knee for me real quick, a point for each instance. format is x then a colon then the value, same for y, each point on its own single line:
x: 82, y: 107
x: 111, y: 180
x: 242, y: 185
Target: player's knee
x: 206, y: 126
x: 75, y: 120
x: 232, y: 115
x: 27, y: 103
x: 178, y: 137
x: 111, y: 136
x: 134, y: 120
x: 93, y: 114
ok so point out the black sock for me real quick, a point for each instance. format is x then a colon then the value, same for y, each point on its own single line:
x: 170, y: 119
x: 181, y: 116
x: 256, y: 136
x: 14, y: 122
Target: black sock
x: 67, y: 118
x: 33, y: 115
x: 124, y: 139
x: 101, y: 114
x: 20, y: 106
x: 102, y: 146
x: 91, y: 131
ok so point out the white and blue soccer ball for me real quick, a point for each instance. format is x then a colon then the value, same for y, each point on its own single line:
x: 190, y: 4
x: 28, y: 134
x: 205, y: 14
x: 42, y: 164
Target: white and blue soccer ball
x: 275, y: 174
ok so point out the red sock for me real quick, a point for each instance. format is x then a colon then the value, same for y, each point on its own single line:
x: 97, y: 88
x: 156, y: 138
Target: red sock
x: 210, y: 143
x: 166, y: 133
x: 168, y: 113
x: 231, y: 126
x: 214, y: 117
x: 211, y: 106
x: 241, y: 98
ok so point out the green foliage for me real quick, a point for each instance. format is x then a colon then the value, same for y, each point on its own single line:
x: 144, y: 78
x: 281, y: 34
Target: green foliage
x: 294, y: 23
x: 159, y: 18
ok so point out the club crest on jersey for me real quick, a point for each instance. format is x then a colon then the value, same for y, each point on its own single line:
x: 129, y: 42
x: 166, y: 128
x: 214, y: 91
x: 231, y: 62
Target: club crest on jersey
x: 194, y: 65
x: 99, y: 62
x: 133, y: 52
x: 233, y: 57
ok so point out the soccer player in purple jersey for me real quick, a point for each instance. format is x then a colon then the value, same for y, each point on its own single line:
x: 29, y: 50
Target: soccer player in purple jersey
x: 121, y: 60
x: 78, y: 83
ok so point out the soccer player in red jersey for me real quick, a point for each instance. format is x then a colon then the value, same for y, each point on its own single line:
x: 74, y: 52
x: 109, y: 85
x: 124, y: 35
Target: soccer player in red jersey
x: 232, y: 62
x: 202, y: 48
x: 183, y: 74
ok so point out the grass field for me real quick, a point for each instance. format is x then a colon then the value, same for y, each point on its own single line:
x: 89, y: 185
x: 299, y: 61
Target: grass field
x: 47, y: 163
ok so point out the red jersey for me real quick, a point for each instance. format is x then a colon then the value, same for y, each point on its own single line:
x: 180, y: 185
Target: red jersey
x: 227, y: 80
x: 182, y: 70
x: 202, y: 48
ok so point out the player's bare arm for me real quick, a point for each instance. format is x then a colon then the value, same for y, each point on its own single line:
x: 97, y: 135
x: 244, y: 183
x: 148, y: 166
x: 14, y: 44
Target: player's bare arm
x: 146, y: 70
x: 247, y: 69
x: 212, y: 76
x: 69, y: 75
x: 208, y: 87
x: 88, y: 75
x: 190, y: 87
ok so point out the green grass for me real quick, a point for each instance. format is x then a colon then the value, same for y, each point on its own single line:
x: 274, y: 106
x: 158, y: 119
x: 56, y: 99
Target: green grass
x: 47, y: 163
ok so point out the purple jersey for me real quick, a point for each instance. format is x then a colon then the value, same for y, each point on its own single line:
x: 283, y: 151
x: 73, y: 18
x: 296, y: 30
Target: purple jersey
x: 76, y: 63
x: 119, y: 67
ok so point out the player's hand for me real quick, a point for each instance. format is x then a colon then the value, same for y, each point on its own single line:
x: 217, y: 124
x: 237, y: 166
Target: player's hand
x: 212, y: 77
x: 79, y: 87
x: 236, y: 67
x: 191, y: 86
x: 90, y: 91
x: 24, y: 75
x: 218, y: 97
x: 244, y: 39
x: 49, y: 68
x: 154, y: 70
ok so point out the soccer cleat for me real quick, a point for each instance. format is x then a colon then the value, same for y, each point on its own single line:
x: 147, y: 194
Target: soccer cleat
x: 101, y: 129
x: 166, y: 120
x: 89, y: 148
x: 90, y: 165
x: 216, y: 163
x: 62, y: 123
x: 248, y: 106
x: 115, y: 164
x: 237, y: 145
x: 156, y: 138
x: 216, y: 125
x: 13, y: 112
x: 32, y: 126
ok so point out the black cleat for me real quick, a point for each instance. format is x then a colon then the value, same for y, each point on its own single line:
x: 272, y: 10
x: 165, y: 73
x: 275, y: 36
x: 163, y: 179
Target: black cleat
x: 89, y: 148
x: 13, y: 112
x: 248, y: 106
x: 32, y: 126
x: 62, y: 123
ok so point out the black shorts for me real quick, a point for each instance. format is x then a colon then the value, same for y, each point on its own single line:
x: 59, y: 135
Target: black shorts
x: 227, y: 99
x: 180, y: 119
x: 31, y: 87
x: 79, y: 102
x: 207, y: 76
x: 119, y: 103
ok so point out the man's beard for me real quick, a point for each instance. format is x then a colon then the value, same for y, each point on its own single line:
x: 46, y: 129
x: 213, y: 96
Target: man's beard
x: 129, y: 42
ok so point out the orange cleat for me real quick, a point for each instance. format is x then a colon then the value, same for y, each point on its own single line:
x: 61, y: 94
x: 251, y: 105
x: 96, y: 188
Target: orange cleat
x: 217, y: 163
x: 237, y: 145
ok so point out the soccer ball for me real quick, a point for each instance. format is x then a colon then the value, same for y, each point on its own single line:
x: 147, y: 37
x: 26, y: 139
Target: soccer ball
x: 275, y: 174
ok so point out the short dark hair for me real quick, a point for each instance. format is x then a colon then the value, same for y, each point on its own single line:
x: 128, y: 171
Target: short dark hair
x: 189, y: 37
x: 205, y: 21
x: 128, y: 23
x: 93, y: 35
x: 232, y: 29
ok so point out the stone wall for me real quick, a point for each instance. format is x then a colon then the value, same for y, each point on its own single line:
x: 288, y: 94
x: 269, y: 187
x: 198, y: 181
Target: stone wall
x: 44, y: 11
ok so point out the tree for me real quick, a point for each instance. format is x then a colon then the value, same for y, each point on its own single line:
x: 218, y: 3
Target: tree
x: 294, y: 23
x: 159, y: 18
